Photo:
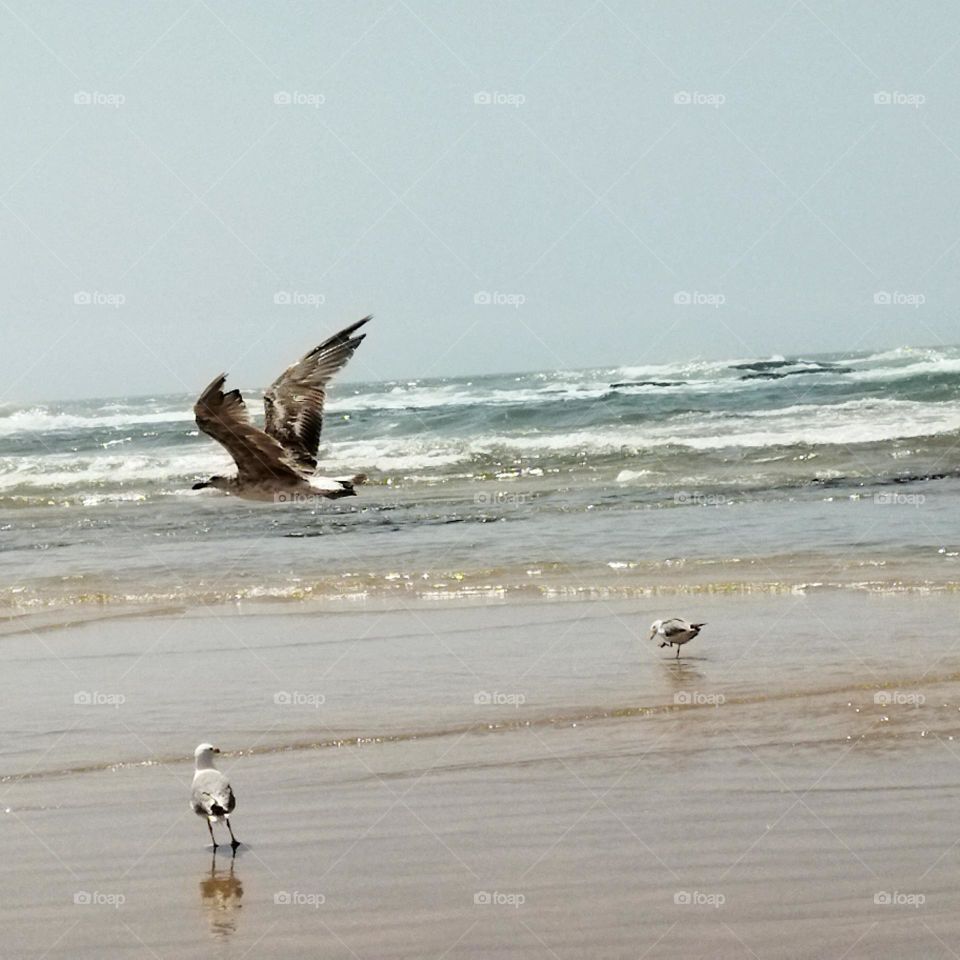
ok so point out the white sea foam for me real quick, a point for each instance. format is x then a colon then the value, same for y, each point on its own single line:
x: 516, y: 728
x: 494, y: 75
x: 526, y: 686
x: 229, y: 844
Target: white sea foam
x: 401, y: 455
x: 58, y: 471
x: 854, y: 422
x: 930, y: 365
x: 898, y: 354
x: 428, y: 398
x: 627, y: 476
x: 41, y: 420
x: 674, y: 371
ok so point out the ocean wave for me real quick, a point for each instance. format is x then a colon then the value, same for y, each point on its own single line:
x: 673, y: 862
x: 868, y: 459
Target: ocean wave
x: 697, y: 379
x: 174, y: 468
x: 428, y: 398
x: 851, y: 423
x: 434, y: 431
x: 934, y: 365
x: 898, y: 354
x: 700, y: 369
x: 427, y: 457
x: 59, y: 471
x: 42, y: 420
x: 119, y: 416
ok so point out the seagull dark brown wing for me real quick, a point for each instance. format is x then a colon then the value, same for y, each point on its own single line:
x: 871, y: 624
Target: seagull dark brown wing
x: 257, y: 455
x: 293, y: 404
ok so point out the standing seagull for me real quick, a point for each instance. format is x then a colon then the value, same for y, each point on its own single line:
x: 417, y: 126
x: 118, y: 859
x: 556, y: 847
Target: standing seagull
x: 212, y: 796
x: 278, y: 462
x: 675, y: 632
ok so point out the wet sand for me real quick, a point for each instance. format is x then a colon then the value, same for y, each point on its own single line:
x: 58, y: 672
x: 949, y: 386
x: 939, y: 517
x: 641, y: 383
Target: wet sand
x: 508, y: 781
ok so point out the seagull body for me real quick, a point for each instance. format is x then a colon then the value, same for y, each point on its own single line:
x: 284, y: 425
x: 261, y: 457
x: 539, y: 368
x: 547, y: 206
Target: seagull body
x: 211, y: 795
x: 278, y: 463
x: 674, y: 632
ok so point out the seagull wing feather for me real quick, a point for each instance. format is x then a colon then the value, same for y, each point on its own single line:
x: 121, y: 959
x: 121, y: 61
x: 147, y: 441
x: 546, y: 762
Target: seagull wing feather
x: 293, y: 404
x: 224, y: 417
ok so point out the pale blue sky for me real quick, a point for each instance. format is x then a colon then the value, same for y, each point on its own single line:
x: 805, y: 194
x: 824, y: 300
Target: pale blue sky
x: 581, y: 199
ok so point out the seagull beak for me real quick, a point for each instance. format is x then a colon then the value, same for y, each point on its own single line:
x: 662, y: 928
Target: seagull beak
x: 216, y: 749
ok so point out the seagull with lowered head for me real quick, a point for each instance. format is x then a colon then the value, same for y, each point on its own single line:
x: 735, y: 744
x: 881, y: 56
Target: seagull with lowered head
x: 674, y: 632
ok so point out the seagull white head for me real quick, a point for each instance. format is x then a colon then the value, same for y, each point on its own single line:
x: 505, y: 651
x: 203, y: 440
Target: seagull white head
x: 655, y: 628
x: 204, y: 755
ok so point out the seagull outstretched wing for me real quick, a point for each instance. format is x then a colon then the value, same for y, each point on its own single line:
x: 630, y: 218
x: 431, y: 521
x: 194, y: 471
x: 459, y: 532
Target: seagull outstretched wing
x: 293, y: 404
x: 224, y: 417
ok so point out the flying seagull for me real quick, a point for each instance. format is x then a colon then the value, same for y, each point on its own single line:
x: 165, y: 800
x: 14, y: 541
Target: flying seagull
x: 212, y: 796
x: 278, y: 463
x: 675, y: 632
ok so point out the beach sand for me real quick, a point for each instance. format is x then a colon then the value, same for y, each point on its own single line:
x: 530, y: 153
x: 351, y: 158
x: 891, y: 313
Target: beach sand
x: 515, y: 780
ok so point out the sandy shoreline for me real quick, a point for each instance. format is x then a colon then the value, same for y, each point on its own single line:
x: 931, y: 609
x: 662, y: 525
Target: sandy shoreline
x: 616, y: 812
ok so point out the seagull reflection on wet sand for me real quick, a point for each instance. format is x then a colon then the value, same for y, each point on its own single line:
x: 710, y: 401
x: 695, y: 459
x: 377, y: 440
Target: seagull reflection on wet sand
x: 220, y: 894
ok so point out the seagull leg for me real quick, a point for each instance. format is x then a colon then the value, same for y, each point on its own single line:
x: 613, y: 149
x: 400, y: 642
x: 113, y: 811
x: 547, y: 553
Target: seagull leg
x: 678, y: 652
x: 212, y: 837
x: 234, y: 842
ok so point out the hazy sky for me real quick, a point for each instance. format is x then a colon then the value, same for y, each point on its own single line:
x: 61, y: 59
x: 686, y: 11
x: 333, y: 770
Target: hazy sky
x: 505, y: 185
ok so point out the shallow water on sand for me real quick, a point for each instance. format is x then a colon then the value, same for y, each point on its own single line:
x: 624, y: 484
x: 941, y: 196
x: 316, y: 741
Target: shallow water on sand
x: 507, y: 780
x: 126, y: 690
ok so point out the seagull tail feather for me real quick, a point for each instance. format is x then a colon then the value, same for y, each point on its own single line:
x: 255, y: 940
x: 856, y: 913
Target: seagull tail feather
x: 346, y: 486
